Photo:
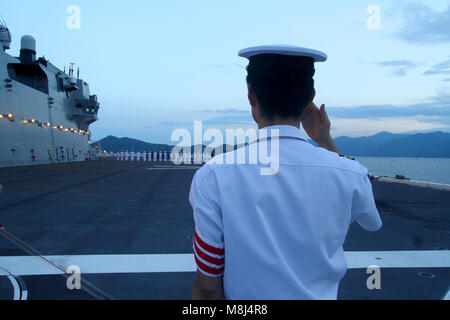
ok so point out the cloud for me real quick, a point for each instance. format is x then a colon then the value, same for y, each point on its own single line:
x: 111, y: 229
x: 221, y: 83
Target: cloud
x: 169, y: 123
x: 443, y: 65
x: 423, y: 25
x: 242, y: 119
x: 371, y: 119
x: 228, y: 117
x: 401, y: 66
x: 439, y: 68
x: 434, y: 72
x: 368, y: 127
x: 400, y: 72
x: 221, y: 117
x: 356, y: 121
x: 383, y: 111
x: 397, y: 63
x: 226, y: 111
x: 442, y: 99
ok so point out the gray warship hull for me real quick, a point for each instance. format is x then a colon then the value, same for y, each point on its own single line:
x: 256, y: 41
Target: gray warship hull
x: 44, y: 113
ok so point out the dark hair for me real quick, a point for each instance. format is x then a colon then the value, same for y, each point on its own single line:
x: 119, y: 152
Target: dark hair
x: 285, y: 95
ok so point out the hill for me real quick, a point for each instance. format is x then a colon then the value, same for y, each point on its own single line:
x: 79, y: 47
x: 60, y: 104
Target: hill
x: 421, y: 145
x: 114, y: 144
x: 384, y: 144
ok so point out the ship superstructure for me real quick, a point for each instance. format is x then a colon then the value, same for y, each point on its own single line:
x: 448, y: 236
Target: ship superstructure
x: 45, y: 113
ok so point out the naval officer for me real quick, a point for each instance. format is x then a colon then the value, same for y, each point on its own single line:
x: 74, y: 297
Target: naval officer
x: 279, y: 236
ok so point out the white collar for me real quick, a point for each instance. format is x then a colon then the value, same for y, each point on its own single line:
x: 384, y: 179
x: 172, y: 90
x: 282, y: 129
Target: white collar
x: 283, y: 131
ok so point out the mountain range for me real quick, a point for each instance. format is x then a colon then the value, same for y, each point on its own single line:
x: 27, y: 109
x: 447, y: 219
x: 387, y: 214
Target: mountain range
x: 384, y: 144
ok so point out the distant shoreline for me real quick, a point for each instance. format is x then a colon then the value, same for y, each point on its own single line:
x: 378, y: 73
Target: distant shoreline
x: 426, y: 170
x: 433, y: 145
x: 422, y: 184
x: 404, y: 157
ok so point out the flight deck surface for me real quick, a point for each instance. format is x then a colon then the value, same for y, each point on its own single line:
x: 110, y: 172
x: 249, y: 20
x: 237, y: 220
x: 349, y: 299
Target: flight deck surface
x: 128, y: 226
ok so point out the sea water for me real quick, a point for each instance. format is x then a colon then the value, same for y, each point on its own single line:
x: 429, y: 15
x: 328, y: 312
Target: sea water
x: 435, y: 170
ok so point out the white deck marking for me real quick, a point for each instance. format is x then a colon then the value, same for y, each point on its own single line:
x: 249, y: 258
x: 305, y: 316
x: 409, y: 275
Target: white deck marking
x: 152, y: 263
x: 14, y: 283
x: 399, y: 259
x: 145, y: 263
x: 24, y: 295
x: 15, y: 287
x: 447, y: 295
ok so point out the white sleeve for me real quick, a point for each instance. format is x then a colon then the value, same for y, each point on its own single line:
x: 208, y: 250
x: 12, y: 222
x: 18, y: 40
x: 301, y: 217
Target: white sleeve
x: 364, y: 210
x: 208, y: 243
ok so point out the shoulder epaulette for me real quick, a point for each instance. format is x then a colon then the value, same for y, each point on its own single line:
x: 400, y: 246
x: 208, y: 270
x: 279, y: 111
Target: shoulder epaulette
x: 344, y: 156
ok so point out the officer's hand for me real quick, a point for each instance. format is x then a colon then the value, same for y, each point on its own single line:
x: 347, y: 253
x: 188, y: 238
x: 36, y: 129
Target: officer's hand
x: 317, y: 125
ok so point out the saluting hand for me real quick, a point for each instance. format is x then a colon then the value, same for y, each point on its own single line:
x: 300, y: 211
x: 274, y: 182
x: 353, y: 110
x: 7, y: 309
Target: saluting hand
x: 317, y: 125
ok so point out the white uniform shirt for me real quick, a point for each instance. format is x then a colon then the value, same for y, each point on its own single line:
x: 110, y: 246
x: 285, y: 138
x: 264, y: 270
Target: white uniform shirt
x: 280, y: 236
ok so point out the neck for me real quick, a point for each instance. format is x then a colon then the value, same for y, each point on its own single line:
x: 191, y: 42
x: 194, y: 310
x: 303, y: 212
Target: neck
x: 278, y: 122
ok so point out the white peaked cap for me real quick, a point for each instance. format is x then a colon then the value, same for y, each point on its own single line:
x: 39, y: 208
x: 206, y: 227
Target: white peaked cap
x: 283, y: 49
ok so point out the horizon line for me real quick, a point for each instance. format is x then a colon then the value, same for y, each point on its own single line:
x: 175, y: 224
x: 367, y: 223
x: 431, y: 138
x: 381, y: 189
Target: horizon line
x: 410, y: 133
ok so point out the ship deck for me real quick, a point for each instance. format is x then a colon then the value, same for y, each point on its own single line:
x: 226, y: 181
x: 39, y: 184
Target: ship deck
x: 128, y: 226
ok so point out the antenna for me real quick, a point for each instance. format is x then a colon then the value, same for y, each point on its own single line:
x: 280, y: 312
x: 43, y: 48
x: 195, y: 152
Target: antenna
x: 5, y: 35
x: 3, y: 23
x: 71, y: 69
x: 78, y: 73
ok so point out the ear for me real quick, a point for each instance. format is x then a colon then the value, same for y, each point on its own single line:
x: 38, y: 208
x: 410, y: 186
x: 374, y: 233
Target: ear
x: 253, y: 103
x: 251, y: 96
x: 312, y: 97
x: 309, y: 103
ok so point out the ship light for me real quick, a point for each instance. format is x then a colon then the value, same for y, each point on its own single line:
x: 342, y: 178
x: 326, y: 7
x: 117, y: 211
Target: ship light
x: 10, y: 116
x: 66, y: 130
x: 1, y: 116
x: 33, y: 121
x: 71, y: 129
x: 76, y: 131
x: 60, y: 127
x: 48, y: 124
x: 25, y: 121
x: 55, y: 127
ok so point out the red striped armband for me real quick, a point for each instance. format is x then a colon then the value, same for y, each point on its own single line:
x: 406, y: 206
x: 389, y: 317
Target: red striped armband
x: 210, y: 259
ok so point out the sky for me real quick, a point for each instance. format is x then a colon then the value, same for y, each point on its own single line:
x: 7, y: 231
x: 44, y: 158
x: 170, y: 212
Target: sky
x: 157, y: 66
